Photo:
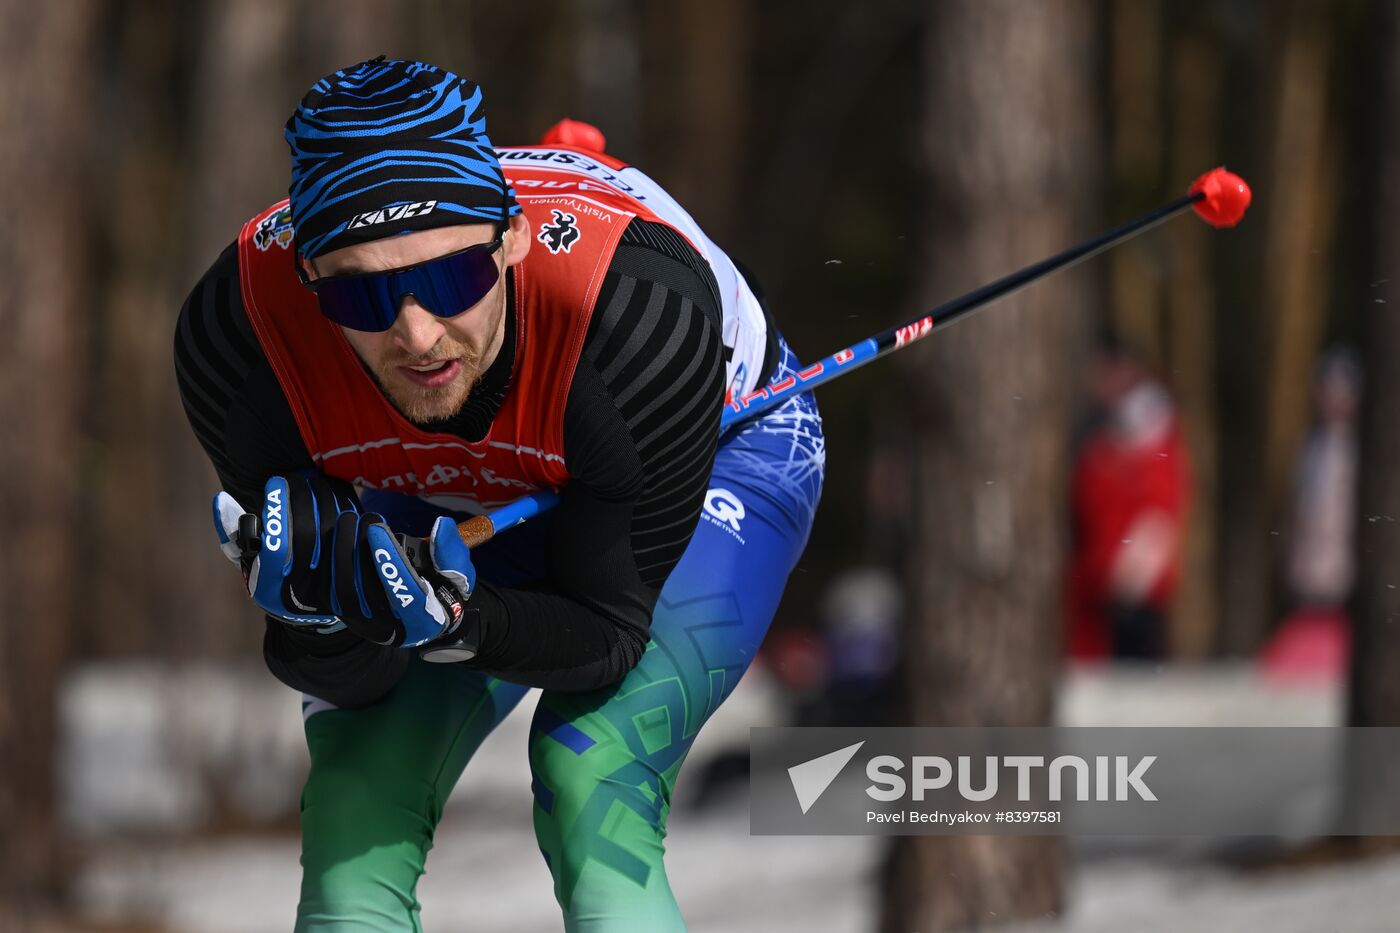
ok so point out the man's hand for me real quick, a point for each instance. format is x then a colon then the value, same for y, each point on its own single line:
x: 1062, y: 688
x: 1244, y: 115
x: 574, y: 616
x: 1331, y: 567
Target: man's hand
x: 285, y: 551
x: 401, y: 591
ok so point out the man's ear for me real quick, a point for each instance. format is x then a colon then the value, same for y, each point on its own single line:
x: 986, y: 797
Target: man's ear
x: 307, y: 267
x: 517, y: 240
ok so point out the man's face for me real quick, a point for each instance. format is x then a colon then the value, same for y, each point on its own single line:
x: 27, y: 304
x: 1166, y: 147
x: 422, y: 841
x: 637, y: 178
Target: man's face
x: 424, y: 364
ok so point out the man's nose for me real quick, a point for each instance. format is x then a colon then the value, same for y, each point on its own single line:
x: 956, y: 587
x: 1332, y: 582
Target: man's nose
x: 417, y: 330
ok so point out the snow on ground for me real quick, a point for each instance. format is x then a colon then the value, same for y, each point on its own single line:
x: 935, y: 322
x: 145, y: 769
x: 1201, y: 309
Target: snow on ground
x: 1146, y: 897
x: 485, y: 873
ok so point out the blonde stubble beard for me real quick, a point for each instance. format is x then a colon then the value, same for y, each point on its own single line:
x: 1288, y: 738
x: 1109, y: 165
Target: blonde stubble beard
x: 426, y: 406
x: 422, y: 405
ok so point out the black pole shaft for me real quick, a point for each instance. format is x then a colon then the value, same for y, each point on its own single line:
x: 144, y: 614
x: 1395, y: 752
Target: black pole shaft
x: 1016, y: 281
x: 482, y: 528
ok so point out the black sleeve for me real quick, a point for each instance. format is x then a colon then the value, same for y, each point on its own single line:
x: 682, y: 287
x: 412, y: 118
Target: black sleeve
x: 641, y: 428
x: 230, y: 394
x: 242, y: 420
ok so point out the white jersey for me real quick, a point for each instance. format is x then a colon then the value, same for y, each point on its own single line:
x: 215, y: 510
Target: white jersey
x: 746, y: 337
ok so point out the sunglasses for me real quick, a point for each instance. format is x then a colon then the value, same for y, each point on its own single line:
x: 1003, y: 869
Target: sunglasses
x: 446, y: 286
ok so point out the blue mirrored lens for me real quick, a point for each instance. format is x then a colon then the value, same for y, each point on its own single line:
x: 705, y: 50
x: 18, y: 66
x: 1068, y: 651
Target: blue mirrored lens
x: 361, y: 303
x: 446, y: 286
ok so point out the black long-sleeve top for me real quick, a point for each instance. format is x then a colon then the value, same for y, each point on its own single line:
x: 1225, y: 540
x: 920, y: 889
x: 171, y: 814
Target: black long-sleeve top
x: 640, y: 430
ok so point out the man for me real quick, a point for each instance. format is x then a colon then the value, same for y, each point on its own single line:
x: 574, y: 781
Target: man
x: 418, y: 335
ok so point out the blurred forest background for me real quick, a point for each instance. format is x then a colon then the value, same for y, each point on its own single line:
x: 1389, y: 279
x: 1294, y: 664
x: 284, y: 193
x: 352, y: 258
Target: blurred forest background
x: 868, y: 161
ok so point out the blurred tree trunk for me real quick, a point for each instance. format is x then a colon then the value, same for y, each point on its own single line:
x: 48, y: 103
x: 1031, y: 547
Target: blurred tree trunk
x: 1298, y: 259
x: 1375, y: 688
x: 694, y: 106
x: 134, y: 395
x: 245, y: 87
x: 1190, y: 360
x: 1288, y: 319
x: 607, y: 68
x: 837, y: 80
x: 334, y: 34
x: 1374, y: 698
x: 1166, y: 73
x: 1135, y: 105
x: 1009, y: 144
x: 45, y: 265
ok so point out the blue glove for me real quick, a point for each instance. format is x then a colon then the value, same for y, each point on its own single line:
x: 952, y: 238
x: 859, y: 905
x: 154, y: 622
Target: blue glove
x: 286, y: 550
x: 399, y: 590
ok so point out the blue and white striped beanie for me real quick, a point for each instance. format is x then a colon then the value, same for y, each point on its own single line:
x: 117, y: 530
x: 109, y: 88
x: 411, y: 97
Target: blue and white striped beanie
x: 387, y: 147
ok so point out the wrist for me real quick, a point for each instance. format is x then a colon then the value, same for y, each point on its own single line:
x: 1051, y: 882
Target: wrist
x: 459, y: 643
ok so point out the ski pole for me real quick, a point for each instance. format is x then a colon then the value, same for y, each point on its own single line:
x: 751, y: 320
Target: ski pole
x: 1218, y: 197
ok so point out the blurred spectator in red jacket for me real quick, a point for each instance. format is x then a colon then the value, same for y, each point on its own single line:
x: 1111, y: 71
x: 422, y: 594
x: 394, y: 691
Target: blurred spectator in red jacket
x: 1130, y: 492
